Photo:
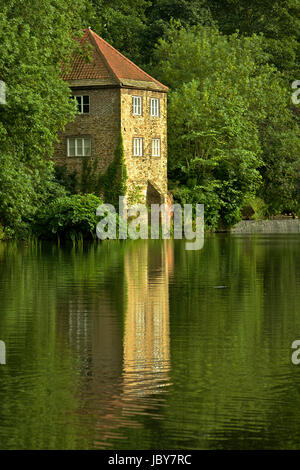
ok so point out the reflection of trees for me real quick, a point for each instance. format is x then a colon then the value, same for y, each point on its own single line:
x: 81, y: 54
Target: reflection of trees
x: 33, y: 394
x: 88, y: 350
x: 56, y: 306
x: 233, y: 371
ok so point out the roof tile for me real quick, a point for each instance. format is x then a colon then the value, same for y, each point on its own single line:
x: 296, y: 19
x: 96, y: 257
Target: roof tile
x: 106, y: 63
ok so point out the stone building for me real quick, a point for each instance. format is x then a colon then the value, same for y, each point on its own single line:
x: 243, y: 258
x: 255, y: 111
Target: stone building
x: 114, y: 95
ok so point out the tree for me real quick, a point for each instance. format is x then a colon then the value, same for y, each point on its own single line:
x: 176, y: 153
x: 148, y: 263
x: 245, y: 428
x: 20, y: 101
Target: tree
x: 278, y: 21
x: 162, y: 12
x: 120, y: 22
x: 36, y: 38
x: 230, y: 99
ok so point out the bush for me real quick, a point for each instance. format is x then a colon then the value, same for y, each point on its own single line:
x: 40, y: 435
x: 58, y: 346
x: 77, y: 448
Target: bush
x: 70, y: 218
x: 254, y: 208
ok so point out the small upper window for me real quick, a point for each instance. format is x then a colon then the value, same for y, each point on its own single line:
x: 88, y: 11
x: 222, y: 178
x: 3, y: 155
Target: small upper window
x: 83, y: 102
x: 137, y: 105
x: 138, y: 147
x: 79, y: 146
x: 155, y: 147
x: 154, y: 107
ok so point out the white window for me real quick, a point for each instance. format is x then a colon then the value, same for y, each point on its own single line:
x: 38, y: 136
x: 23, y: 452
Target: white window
x: 79, y: 146
x: 155, y: 147
x: 154, y: 107
x: 138, y: 147
x: 137, y: 105
x: 83, y: 102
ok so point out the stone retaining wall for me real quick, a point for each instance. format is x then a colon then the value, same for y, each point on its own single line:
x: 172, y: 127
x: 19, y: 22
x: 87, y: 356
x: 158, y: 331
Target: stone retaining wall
x: 267, y: 226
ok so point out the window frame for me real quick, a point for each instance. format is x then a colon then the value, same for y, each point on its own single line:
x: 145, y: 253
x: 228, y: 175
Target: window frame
x: 82, y: 146
x: 81, y: 104
x: 135, y: 107
x: 140, y: 147
x: 154, y: 110
x: 156, y: 148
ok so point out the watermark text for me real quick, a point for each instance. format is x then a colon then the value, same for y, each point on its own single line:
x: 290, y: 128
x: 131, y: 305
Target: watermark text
x: 140, y: 222
x: 2, y: 352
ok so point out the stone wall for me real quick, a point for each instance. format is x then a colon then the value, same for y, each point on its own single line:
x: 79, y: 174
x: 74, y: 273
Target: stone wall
x: 102, y: 124
x: 146, y: 168
x: 110, y: 111
x: 268, y: 226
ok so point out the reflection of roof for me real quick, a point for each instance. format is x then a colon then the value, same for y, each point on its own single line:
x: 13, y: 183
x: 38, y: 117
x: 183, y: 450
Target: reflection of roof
x: 108, y: 66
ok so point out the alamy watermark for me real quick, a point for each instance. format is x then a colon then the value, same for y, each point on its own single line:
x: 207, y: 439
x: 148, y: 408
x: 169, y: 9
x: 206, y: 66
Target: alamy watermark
x: 2, y: 92
x: 296, y: 354
x: 138, y: 222
x: 2, y: 352
x: 295, y: 95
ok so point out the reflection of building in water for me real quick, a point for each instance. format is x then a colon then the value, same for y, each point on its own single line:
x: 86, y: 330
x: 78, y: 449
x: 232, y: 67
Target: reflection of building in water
x: 95, y: 332
x: 121, y: 337
x: 146, y: 337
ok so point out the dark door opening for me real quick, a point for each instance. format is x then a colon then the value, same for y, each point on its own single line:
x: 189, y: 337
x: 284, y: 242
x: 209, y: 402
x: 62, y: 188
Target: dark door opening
x: 153, y: 195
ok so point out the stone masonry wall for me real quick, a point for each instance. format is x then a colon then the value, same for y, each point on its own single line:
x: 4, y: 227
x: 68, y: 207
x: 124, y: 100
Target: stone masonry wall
x: 268, y: 226
x: 146, y: 168
x: 110, y: 110
x: 102, y: 124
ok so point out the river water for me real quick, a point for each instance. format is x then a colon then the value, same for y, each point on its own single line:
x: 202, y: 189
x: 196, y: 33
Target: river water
x: 144, y: 345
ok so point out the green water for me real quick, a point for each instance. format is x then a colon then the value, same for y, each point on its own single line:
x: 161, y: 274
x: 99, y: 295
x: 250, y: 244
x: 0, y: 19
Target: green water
x: 143, y: 345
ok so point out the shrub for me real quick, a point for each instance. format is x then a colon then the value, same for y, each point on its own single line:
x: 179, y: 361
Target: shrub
x: 70, y: 217
x: 254, y: 208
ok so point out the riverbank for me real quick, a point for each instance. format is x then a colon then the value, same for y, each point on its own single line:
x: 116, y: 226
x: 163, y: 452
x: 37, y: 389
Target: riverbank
x: 79, y: 233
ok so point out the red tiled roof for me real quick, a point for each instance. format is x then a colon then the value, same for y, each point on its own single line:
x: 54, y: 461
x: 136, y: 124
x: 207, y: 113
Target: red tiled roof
x: 106, y: 63
x: 82, y: 69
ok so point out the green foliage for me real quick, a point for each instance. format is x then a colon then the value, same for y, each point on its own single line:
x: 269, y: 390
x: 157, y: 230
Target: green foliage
x: 162, y: 12
x: 66, y: 179
x: 135, y: 195
x: 232, y: 135
x: 22, y: 191
x: 254, y: 208
x: 233, y: 122
x: 278, y: 21
x: 204, y: 195
x: 134, y: 26
x: 121, y: 23
x: 91, y: 179
x: 281, y: 170
x: 89, y: 182
x: 69, y: 217
x: 113, y: 182
x: 36, y: 37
